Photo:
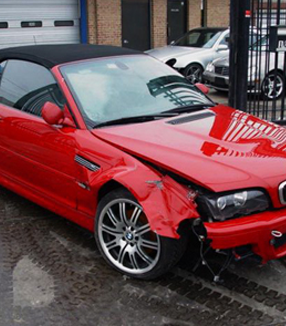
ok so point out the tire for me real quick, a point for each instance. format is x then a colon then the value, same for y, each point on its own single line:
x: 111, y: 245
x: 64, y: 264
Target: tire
x: 194, y: 73
x: 267, y: 87
x: 124, y: 238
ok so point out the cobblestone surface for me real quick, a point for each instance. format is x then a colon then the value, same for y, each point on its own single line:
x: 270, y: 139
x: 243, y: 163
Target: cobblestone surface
x: 51, y: 273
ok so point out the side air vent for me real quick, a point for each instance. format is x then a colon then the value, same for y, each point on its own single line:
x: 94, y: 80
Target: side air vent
x: 190, y: 118
x: 84, y: 162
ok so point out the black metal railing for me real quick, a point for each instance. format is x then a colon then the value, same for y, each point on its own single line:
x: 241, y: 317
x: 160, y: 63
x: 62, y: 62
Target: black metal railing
x: 266, y: 70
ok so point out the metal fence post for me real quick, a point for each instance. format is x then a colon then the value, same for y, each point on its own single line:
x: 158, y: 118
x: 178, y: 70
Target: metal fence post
x: 239, y: 45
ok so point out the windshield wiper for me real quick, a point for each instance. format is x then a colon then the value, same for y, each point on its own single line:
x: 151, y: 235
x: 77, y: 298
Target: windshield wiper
x: 138, y: 119
x: 190, y: 108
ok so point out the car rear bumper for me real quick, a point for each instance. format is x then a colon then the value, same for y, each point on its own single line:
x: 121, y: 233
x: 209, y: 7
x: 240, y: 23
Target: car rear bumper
x: 256, y: 230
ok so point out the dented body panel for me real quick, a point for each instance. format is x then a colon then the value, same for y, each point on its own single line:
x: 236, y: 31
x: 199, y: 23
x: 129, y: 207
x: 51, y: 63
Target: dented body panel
x: 165, y: 202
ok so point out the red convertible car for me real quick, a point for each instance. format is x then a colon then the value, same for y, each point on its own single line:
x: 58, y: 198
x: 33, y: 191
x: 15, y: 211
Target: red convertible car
x: 126, y: 147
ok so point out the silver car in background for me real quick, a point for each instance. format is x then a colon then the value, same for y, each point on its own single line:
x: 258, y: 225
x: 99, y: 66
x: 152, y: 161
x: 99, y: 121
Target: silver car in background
x: 191, y: 53
x: 262, y: 77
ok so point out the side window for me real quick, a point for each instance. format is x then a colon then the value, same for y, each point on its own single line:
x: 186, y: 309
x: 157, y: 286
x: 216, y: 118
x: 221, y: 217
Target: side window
x: 2, y: 66
x: 27, y: 86
x: 224, y: 41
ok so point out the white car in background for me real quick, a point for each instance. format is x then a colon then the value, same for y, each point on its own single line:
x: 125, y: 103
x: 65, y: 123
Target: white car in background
x: 192, y: 52
x: 263, y: 77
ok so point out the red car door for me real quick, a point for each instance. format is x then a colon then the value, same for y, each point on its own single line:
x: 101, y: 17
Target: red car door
x: 35, y: 154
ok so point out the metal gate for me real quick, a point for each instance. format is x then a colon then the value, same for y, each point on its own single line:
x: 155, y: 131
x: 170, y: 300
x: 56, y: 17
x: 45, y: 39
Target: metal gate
x: 262, y: 66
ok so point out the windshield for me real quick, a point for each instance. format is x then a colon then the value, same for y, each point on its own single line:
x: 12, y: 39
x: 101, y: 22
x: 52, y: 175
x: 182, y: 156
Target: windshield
x: 128, y: 86
x: 199, y: 38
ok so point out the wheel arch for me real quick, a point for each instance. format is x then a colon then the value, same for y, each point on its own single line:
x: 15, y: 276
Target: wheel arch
x: 195, y: 63
x: 279, y: 70
x: 164, y: 201
x: 108, y: 187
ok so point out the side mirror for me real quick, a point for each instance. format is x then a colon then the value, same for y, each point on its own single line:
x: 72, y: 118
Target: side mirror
x: 222, y: 47
x: 203, y: 88
x: 52, y: 114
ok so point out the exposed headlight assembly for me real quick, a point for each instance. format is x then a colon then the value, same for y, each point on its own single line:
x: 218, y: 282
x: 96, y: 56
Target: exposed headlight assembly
x: 223, y: 207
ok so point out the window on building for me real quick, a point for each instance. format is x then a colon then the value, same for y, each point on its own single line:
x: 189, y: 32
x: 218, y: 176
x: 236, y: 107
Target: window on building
x: 27, y: 86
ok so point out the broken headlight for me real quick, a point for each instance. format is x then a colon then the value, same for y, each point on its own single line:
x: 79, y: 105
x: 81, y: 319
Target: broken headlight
x: 221, y: 207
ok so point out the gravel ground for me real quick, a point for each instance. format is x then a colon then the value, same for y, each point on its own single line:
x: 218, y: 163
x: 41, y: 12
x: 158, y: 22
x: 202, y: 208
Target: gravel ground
x: 51, y: 273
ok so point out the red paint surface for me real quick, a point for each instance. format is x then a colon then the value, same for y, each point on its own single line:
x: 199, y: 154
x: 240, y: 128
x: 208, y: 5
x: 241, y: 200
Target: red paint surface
x: 230, y: 150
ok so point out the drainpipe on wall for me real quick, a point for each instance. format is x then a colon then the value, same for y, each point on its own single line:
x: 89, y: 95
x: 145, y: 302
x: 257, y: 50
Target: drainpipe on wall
x: 83, y: 21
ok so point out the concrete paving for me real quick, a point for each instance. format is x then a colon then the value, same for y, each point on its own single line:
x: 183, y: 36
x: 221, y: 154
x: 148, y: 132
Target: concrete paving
x: 51, y: 273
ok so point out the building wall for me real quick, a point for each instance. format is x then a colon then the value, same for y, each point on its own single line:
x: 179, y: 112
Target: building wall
x: 159, y: 23
x: 218, y: 13
x: 105, y: 25
x: 104, y: 22
x: 91, y: 21
x: 108, y: 14
x: 194, y: 14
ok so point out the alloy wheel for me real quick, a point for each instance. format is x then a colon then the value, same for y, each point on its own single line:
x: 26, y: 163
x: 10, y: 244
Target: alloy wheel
x: 126, y: 238
x: 194, y: 74
x: 272, y: 87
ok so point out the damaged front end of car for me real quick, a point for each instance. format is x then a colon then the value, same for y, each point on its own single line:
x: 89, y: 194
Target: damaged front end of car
x: 237, y: 224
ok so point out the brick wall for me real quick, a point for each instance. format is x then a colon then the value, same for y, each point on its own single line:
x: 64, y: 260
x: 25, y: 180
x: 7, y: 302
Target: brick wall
x: 91, y: 21
x: 159, y: 23
x: 218, y: 13
x: 104, y: 19
x: 194, y: 14
x: 108, y: 14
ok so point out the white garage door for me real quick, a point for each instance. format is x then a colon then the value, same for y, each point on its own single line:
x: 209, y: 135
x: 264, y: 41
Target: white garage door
x: 25, y: 22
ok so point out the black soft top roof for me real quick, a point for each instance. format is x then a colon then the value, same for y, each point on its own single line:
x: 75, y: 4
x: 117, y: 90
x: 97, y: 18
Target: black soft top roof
x: 53, y: 55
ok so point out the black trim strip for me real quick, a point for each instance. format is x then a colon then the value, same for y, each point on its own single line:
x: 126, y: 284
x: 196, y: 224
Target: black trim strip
x: 3, y: 25
x: 87, y: 164
x: 191, y: 118
x: 63, y: 23
x: 31, y: 24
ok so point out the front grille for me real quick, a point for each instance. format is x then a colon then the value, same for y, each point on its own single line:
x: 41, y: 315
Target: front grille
x: 224, y: 71
x: 282, y: 192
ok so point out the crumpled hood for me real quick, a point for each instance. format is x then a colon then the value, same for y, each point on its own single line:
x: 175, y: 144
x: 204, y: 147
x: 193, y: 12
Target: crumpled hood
x: 221, y: 148
x: 171, y: 51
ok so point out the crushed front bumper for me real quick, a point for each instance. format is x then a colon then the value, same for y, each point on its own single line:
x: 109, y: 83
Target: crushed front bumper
x: 256, y: 230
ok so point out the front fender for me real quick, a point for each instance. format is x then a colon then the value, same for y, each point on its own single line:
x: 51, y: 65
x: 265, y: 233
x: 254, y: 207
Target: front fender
x: 165, y: 202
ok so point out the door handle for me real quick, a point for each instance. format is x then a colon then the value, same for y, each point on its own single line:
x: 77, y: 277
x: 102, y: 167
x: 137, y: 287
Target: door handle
x: 125, y: 42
